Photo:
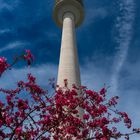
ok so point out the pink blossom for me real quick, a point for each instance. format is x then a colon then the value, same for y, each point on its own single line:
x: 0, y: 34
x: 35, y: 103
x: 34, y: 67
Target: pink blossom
x: 3, y: 64
x: 28, y: 57
x: 18, y: 130
x: 86, y: 116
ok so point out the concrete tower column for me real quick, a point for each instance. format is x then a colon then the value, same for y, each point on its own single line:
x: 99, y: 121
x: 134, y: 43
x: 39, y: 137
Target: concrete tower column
x: 68, y: 63
x: 68, y: 14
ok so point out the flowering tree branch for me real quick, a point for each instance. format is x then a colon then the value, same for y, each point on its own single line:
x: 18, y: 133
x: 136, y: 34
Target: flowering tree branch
x: 29, y: 113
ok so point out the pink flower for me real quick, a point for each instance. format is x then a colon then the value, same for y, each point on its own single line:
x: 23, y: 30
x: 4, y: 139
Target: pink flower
x: 3, y: 64
x: 113, y: 101
x: 86, y: 116
x: 31, y: 78
x: 1, y: 123
x: 28, y: 57
x: 22, y: 104
x: 85, y: 132
x: 18, y: 130
x: 8, y: 121
x: 103, y: 91
x: 104, y: 138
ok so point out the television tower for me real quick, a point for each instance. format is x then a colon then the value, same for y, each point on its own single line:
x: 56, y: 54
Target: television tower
x: 68, y: 14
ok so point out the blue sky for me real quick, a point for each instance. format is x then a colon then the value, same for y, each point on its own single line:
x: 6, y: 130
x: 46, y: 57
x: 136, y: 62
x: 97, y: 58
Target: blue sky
x: 108, y: 46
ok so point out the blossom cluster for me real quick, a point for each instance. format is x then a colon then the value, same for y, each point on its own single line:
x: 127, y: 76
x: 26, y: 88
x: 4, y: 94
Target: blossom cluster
x: 69, y: 114
x: 29, y: 112
x: 27, y: 56
x: 3, y: 65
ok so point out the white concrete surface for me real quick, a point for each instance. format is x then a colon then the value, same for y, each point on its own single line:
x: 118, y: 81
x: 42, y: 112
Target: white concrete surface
x: 68, y: 63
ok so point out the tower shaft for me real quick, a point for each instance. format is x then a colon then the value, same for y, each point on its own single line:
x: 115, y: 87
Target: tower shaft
x: 68, y: 63
x: 69, y: 14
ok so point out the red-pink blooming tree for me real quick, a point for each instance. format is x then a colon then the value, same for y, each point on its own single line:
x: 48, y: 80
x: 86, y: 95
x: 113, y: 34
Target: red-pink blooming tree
x: 40, y: 115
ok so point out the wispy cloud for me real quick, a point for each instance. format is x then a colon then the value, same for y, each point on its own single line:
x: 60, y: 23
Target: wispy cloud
x: 9, y: 6
x: 92, y: 14
x: 13, y: 45
x: 124, y: 26
x: 41, y: 72
x: 3, y: 31
x: 93, y: 76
